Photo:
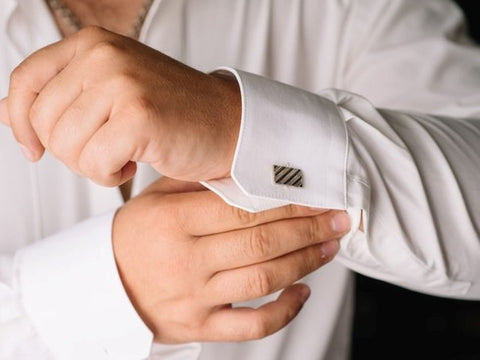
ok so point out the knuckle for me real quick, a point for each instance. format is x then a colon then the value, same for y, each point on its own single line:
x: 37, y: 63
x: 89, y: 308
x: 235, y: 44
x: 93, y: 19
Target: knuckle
x: 35, y: 115
x: 290, y: 210
x: 56, y: 146
x: 171, y: 216
x: 262, y: 282
x: 243, y: 217
x: 313, y: 259
x: 258, y: 328
x: 308, y: 260
x: 85, y: 165
x: 258, y: 245
x: 61, y: 149
x: 90, y: 167
x: 141, y: 105
x: 124, y: 80
x: 315, y: 229
x: 290, y: 312
x: 18, y: 76
x: 104, y: 50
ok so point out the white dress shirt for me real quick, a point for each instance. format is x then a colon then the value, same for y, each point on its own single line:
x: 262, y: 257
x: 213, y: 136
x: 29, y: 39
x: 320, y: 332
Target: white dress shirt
x: 356, y: 79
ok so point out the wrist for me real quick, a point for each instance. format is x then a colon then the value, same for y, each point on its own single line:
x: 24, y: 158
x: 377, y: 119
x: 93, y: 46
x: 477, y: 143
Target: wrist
x: 230, y: 102
x: 125, y: 254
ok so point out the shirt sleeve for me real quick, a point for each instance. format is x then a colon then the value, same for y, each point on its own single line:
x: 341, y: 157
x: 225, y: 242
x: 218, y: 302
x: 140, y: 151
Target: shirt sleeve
x: 408, y: 158
x: 62, y: 298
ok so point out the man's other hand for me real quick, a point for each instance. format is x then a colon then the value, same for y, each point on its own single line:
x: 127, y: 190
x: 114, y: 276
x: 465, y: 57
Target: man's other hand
x: 186, y: 257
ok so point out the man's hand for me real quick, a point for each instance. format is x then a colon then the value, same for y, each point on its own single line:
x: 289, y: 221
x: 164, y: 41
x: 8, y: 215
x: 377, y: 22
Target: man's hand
x: 184, y: 258
x: 100, y: 102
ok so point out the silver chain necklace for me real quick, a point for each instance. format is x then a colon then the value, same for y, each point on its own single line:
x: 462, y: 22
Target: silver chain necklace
x: 72, y: 21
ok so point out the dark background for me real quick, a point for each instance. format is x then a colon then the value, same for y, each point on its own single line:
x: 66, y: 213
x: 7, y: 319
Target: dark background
x: 473, y: 17
x: 393, y: 323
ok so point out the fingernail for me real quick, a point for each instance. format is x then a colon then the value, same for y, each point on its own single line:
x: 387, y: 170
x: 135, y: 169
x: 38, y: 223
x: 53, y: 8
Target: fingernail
x: 305, y: 293
x: 329, y: 249
x: 340, y: 222
x: 27, y: 152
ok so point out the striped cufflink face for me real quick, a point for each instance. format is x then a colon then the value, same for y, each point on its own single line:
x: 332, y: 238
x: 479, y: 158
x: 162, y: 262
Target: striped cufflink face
x: 285, y: 175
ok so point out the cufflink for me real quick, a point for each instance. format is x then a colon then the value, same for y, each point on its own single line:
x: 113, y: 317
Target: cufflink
x: 284, y: 175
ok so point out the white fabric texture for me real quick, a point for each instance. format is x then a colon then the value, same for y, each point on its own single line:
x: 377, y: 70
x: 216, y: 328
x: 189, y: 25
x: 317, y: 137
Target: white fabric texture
x: 377, y: 103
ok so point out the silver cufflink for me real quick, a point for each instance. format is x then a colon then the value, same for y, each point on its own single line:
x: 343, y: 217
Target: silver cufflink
x: 285, y: 175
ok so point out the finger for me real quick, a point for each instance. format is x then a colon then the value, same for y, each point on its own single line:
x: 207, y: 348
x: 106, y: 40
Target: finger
x: 240, y: 324
x: 4, y: 119
x: 54, y: 99
x: 21, y: 127
x: 203, y: 213
x: 109, y: 150
x: 251, y: 282
x: 29, y: 78
x: 26, y: 81
x: 75, y: 127
x: 256, y: 244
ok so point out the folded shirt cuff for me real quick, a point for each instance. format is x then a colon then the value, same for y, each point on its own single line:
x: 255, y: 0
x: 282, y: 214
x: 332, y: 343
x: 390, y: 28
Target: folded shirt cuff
x: 285, y: 126
x: 71, y: 290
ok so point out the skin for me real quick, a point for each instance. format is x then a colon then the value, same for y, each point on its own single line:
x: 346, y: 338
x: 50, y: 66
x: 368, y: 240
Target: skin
x: 184, y: 272
x: 183, y: 255
x: 129, y: 107
x: 115, y: 15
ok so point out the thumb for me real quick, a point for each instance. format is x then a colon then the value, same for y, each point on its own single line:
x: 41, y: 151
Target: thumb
x: 4, y: 119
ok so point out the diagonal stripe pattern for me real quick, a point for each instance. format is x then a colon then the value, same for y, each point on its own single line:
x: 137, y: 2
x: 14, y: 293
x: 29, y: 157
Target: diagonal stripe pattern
x: 285, y: 175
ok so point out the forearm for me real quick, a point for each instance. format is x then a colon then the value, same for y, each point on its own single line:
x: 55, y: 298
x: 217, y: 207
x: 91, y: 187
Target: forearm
x: 358, y: 158
x: 418, y: 193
